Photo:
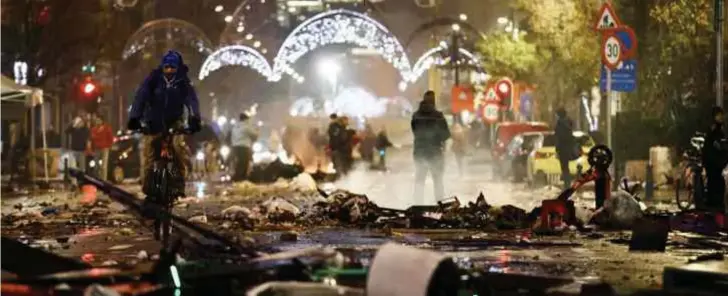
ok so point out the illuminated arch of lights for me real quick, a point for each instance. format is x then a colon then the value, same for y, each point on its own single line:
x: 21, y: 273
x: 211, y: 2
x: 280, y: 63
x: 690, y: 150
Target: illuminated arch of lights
x: 143, y: 36
x: 340, y: 27
x: 433, y: 57
x: 239, y: 55
x: 328, y: 28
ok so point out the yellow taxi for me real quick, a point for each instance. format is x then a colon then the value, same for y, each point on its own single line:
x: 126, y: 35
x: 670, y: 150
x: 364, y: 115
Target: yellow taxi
x: 543, y: 165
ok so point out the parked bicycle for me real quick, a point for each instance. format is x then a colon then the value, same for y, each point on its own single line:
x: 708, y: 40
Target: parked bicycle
x: 692, y: 175
x: 165, y: 182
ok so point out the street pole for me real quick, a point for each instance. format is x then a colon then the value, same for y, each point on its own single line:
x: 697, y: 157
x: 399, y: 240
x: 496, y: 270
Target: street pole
x: 719, y: 52
x: 455, y: 57
x: 609, y: 116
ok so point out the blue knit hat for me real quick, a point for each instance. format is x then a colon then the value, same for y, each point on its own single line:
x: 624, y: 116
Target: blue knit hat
x: 172, y: 58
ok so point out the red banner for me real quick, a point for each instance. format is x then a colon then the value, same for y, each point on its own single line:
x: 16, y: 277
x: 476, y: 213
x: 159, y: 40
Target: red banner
x: 462, y: 99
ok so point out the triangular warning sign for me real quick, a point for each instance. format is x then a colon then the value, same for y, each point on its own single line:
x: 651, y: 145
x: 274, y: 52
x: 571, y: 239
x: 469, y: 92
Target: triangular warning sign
x: 607, y: 18
x: 491, y: 95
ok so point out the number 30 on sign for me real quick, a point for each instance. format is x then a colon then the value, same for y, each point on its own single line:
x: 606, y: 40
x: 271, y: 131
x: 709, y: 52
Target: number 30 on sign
x: 611, y: 51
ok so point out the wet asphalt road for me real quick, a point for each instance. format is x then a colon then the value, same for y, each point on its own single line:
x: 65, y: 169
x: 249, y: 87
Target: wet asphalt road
x: 115, y: 237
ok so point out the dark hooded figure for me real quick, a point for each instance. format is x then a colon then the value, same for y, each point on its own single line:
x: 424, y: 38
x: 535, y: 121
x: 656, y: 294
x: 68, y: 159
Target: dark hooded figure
x: 430, y: 131
x: 714, y: 160
x: 161, y: 102
x: 565, y: 144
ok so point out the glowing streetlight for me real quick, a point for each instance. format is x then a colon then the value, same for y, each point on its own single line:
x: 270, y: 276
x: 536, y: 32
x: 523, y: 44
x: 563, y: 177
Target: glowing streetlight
x: 249, y: 36
x: 463, y: 17
x: 221, y: 121
x: 402, y: 86
x: 264, y: 51
x: 329, y: 70
x: 240, y: 29
x: 218, y: 8
x: 256, y: 44
x: 228, y: 18
x: 455, y: 27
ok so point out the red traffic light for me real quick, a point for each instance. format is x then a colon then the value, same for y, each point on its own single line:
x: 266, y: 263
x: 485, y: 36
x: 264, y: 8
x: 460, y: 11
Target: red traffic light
x: 88, y: 88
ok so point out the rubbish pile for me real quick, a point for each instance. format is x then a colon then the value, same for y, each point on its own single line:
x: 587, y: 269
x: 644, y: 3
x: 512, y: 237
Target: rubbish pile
x: 271, y: 172
x: 344, y: 208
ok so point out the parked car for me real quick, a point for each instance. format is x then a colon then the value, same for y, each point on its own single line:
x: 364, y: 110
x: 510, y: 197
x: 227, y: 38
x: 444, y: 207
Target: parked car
x: 505, y: 132
x: 518, y: 150
x: 543, y: 164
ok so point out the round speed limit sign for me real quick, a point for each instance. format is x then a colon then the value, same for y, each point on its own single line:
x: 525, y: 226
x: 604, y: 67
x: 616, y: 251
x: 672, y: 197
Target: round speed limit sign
x: 611, y: 52
x: 490, y: 112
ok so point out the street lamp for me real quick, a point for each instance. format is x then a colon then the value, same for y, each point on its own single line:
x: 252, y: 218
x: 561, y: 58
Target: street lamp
x: 221, y: 121
x: 456, y: 27
x: 463, y: 17
x: 329, y: 70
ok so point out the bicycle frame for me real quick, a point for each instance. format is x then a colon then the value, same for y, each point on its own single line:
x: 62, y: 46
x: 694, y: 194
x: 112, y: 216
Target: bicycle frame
x: 162, y: 172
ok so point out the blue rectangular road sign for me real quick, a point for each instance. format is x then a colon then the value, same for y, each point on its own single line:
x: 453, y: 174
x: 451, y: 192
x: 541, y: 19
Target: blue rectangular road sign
x: 623, y: 79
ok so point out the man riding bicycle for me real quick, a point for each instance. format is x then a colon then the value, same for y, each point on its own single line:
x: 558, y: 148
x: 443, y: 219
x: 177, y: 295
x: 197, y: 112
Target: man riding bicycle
x: 160, y: 103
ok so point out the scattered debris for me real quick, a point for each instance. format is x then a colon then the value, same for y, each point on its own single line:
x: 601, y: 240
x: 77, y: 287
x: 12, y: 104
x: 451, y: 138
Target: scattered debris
x: 120, y: 247
x: 707, y: 257
x: 620, y: 211
x: 142, y: 255
x: 198, y: 219
x: 290, y: 236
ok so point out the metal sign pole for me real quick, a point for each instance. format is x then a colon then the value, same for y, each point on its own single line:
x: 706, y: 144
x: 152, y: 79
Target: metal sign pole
x: 609, y: 115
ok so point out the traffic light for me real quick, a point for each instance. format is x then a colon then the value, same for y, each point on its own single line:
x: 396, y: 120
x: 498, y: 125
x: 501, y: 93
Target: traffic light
x: 88, y: 69
x: 88, y: 88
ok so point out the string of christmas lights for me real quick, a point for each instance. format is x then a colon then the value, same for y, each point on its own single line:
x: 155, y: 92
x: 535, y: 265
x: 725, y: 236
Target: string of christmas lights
x: 340, y: 27
x: 433, y: 57
x: 239, y: 55
x: 327, y: 28
x: 174, y: 27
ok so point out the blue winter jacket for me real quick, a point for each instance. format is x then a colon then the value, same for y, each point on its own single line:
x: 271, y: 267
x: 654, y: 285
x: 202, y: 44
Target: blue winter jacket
x: 160, y: 102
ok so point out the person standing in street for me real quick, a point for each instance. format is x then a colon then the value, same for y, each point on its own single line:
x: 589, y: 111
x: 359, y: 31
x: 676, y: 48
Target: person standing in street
x: 566, y: 148
x: 349, y: 141
x: 242, y: 137
x: 79, y: 133
x: 714, y: 161
x: 366, y: 147
x: 102, y: 138
x: 430, y: 133
x: 459, y: 146
x: 381, y: 146
x: 336, y: 133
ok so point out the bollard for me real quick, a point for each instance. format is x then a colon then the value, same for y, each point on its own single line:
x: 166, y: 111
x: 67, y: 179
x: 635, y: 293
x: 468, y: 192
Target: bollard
x: 66, y: 177
x: 602, y: 188
x: 579, y: 173
x: 649, y: 182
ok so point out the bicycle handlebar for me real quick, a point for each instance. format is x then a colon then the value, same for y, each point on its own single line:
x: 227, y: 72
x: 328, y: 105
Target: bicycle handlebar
x: 145, y: 130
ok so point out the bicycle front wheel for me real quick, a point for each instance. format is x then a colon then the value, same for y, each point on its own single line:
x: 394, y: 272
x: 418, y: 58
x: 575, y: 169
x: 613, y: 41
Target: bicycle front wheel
x: 685, y: 200
x: 166, y: 205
